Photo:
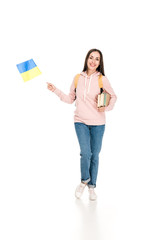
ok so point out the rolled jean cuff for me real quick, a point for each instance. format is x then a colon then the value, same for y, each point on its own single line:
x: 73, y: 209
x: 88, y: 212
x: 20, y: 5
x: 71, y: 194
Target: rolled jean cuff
x: 91, y: 186
x: 85, y: 181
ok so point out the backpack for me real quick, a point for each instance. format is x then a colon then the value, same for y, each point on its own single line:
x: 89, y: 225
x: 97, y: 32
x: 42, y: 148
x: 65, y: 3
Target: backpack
x: 99, y: 82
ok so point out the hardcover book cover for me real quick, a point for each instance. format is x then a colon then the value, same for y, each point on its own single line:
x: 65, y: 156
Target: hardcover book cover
x: 103, y: 99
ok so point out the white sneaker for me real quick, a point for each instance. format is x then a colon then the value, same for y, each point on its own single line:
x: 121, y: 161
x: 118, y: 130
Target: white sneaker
x: 92, y: 194
x: 79, y: 190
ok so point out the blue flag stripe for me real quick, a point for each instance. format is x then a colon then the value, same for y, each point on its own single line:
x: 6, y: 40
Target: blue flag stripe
x: 26, y: 66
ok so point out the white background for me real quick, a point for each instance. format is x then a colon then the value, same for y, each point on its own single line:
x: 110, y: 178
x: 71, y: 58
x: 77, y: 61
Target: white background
x: 39, y: 156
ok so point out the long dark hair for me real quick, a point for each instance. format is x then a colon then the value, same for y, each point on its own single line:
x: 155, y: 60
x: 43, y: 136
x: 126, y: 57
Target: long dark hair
x: 100, y: 67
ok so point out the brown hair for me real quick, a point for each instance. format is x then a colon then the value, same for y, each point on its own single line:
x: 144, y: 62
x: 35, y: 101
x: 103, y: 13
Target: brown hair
x: 100, y: 67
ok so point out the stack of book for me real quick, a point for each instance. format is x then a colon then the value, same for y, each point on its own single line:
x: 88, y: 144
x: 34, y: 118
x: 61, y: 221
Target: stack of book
x: 103, y: 99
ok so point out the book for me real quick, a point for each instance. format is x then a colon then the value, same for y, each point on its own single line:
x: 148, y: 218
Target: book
x: 103, y: 99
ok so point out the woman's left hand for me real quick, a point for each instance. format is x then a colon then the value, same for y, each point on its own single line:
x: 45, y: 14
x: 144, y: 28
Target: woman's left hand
x: 101, y: 109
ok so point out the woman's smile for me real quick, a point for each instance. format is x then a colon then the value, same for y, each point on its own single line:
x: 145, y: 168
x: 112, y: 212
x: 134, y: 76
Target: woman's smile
x: 92, y: 65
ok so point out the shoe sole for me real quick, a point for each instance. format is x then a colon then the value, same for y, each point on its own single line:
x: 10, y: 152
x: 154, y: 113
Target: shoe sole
x: 92, y: 199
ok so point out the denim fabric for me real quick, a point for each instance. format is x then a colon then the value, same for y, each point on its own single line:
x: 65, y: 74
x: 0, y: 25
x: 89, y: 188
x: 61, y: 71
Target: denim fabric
x: 90, y: 141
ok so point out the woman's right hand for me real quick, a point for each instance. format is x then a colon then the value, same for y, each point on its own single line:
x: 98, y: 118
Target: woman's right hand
x: 51, y: 87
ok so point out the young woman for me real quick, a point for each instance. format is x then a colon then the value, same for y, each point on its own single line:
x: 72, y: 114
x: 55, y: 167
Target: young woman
x: 89, y: 120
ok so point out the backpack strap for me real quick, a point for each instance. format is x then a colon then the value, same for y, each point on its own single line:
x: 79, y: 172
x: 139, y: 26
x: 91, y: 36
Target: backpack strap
x: 76, y: 80
x: 100, y: 83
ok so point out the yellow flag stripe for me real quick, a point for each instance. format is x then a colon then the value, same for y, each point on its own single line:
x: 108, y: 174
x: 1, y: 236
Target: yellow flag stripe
x: 28, y: 75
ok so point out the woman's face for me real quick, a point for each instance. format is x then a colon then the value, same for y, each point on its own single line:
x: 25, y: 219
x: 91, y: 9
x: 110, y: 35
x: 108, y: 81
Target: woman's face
x: 93, y: 61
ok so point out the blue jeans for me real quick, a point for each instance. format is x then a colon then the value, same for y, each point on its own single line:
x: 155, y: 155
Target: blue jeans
x: 90, y: 141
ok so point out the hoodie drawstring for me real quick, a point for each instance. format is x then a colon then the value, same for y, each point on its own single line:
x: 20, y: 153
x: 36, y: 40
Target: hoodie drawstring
x: 88, y: 86
x: 89, y: 83
x: 84, y: 97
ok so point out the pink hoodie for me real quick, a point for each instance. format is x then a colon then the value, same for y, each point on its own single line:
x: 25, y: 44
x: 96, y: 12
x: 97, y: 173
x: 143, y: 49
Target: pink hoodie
x: 86, y: 92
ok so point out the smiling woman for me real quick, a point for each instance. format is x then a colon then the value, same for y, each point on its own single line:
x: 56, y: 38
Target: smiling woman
x: 94, y: 62
x: 89, y: 120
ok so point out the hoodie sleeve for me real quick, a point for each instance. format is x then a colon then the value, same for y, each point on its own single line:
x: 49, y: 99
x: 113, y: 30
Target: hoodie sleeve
x: 70, y: 98
x: 109, y: 89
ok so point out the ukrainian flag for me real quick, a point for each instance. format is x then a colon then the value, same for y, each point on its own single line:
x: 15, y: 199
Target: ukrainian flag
x: 28, y: 70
